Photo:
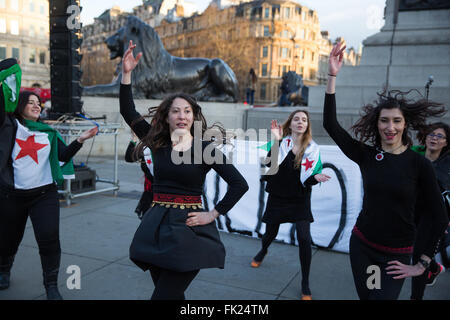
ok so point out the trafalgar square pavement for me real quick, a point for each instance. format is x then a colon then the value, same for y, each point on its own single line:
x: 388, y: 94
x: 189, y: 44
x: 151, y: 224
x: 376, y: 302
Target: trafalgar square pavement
x: 96, y: 232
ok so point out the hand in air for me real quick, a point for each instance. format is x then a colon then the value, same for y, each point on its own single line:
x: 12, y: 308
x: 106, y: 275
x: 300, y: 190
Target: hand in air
x: 336, y: 59
x: 129, y: 62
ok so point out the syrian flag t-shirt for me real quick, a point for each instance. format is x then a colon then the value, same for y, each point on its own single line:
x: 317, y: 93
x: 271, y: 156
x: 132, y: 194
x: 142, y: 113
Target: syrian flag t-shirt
x: 30, y: 159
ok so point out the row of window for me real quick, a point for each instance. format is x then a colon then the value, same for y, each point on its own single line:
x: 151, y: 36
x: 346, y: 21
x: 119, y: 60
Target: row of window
x: 302, y: 34
x: 286, y: 53
x: 32, y: 54
x: 282, y: 69
x: 14, y: 6
x: 15, y: 30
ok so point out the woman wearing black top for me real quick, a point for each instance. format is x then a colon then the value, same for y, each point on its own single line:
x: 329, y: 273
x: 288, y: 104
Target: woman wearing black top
x: 290, y: 188
x: 29, y: 160
x: 175, y: 240
x: 393, y: 177
x: 434, y: 146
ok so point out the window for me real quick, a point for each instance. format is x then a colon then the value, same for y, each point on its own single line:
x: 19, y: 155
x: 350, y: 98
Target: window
x: 266, y: 12
x: 42, y: 32
x: 42, y: 57
x: 266, y: 31
x: 284, y: 52
x: 15, y: 27
x: 265, y: 52
x: 285, y: 70
x: 2, y: 53
x: 2, y: 3
x: 262, y: 93
x: 2, y: 26
x: 32, y: 32
x: 14, y: 5
x: 302, y: 54
x: 312, y: 56
x: 15, y: 53
x: 264, y: 70
x: 42, y: 9
x: 287, y: 12
x: 301, y: 71
x: 31, y: 6
x: 285, y: 34
x: 32, y: 56
x: 302, y: 34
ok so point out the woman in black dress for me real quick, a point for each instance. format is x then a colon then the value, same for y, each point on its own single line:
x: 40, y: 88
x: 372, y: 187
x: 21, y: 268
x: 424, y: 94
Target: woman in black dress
x: 393, y: 177
x: 290, y: 188
x: 175, y: 238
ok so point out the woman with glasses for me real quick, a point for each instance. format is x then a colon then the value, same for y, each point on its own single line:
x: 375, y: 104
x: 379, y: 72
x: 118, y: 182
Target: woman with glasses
x: 434, y: 146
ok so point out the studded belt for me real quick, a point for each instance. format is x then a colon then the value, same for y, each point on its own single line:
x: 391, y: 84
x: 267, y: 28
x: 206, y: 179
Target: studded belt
x: 177, y: 201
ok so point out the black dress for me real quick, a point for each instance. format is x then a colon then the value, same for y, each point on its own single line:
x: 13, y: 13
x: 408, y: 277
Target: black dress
x: 289, y: 200
x: 163, y: 239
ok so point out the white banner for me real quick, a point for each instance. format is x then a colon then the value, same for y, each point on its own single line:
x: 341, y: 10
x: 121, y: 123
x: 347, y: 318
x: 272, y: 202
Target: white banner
x: 335, y: 204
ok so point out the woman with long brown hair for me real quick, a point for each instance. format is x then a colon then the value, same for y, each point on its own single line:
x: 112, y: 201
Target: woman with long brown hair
x: 393, y: 177
x: 289, y: 201
x: 176, y: 238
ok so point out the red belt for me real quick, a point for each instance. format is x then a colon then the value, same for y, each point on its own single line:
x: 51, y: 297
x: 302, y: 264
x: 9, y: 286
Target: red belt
x: 175, y: 200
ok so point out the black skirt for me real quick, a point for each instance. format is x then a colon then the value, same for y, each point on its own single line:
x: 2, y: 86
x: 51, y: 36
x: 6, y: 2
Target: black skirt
x: 282, y: 210
x: 164, y: 240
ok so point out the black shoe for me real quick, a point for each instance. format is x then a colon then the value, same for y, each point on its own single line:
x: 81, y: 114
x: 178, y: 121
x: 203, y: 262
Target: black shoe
x: 51, y: 285
x: 257, y: 260
x: 5, y: 268
x: 432, y: 276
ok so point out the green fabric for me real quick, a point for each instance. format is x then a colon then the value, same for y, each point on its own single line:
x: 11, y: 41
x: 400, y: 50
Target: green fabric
x: 318, y: 168
x: 10, y: 79
x: 267, y: 146
x: 58, y: 172
x: 419, y: 149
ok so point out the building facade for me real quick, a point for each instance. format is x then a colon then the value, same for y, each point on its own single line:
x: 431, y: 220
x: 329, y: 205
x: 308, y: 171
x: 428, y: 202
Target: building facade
x: 270, y: 36
x: 24, y: 35
x: 96, y: 64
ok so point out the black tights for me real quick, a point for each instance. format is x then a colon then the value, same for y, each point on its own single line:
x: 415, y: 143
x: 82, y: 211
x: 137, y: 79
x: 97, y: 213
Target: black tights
x: 171, y: 285
x: 304, y: 247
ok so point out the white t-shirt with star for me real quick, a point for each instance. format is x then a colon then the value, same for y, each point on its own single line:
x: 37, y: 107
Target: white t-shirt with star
x: 30, y: 159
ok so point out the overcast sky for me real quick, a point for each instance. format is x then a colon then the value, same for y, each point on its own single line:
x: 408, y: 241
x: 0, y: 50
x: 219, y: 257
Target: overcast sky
x: 354, y: 20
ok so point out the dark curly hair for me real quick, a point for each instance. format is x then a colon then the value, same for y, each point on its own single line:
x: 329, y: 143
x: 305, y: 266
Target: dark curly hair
x: 424, y: 131
x: 415, y: 113
x: 159, y: 134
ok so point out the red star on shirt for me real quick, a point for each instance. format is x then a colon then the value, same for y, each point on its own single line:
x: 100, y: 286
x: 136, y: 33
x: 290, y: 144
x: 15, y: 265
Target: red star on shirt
x: 308, y: 164
x: 289, y: 142
x: 149, y: 161
x: 29, y: 148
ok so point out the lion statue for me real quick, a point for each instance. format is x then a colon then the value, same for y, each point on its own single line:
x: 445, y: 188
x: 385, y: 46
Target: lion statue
x: 159, y: 74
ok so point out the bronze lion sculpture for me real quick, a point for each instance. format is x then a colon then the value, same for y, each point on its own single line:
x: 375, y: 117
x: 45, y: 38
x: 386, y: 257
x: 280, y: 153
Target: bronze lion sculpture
x: 159, y: 74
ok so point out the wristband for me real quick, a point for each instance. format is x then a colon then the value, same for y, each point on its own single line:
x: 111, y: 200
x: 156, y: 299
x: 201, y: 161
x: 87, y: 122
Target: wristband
x: 424, y: 263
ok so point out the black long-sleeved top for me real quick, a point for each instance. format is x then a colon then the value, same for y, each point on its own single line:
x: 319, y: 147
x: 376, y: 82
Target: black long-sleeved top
x: 391, y: 187
x: 184, y: 179
x: 8, y: 129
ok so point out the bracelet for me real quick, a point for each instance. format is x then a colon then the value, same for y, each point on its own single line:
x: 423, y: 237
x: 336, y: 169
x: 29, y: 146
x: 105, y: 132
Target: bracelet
x: 332, y: 75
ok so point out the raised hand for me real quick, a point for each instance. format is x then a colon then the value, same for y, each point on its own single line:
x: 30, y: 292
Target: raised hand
x: 129, y: 62
x: 336, y: 59
x: 276, y: 130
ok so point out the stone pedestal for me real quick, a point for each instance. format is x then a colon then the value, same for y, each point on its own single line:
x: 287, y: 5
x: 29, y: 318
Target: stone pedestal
x: 401, y: 56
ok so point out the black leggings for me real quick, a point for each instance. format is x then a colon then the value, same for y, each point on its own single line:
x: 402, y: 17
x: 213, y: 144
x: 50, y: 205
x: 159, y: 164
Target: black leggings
x: 361, y: 257
x: 170, y: 285
x: 304, y: 248
x: 43, y: 209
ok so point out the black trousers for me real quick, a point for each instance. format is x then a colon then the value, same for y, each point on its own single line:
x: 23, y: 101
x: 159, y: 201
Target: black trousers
x: 42, y: 207
x: 170, y: 285
x: 361, y: 257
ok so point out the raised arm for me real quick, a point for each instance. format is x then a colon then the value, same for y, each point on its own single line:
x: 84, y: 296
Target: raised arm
x: 127, y: 107
x: 351, y: 147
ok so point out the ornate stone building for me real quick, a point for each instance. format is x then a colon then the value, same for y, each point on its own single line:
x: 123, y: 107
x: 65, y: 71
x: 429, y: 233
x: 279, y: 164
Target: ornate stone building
x: 24, y: 35
x: 271, y: 36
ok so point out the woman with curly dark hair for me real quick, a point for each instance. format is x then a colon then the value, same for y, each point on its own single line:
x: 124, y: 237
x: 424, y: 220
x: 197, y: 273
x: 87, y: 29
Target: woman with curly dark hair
x: 393, y: 176
x: 176, y: 238
x: 434, y: 146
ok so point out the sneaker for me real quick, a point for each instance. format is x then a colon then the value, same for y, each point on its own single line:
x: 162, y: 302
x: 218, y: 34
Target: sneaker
x: 431, y: 277
x: 306, y: 297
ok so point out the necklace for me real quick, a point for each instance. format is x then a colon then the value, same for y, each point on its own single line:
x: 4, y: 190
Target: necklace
x: 380, y: 156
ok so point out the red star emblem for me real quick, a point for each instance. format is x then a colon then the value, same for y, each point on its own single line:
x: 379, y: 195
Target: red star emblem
x: 308, y: 164
x: 289, y: 142
x: 29, y: 148
x: 149, y: 161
